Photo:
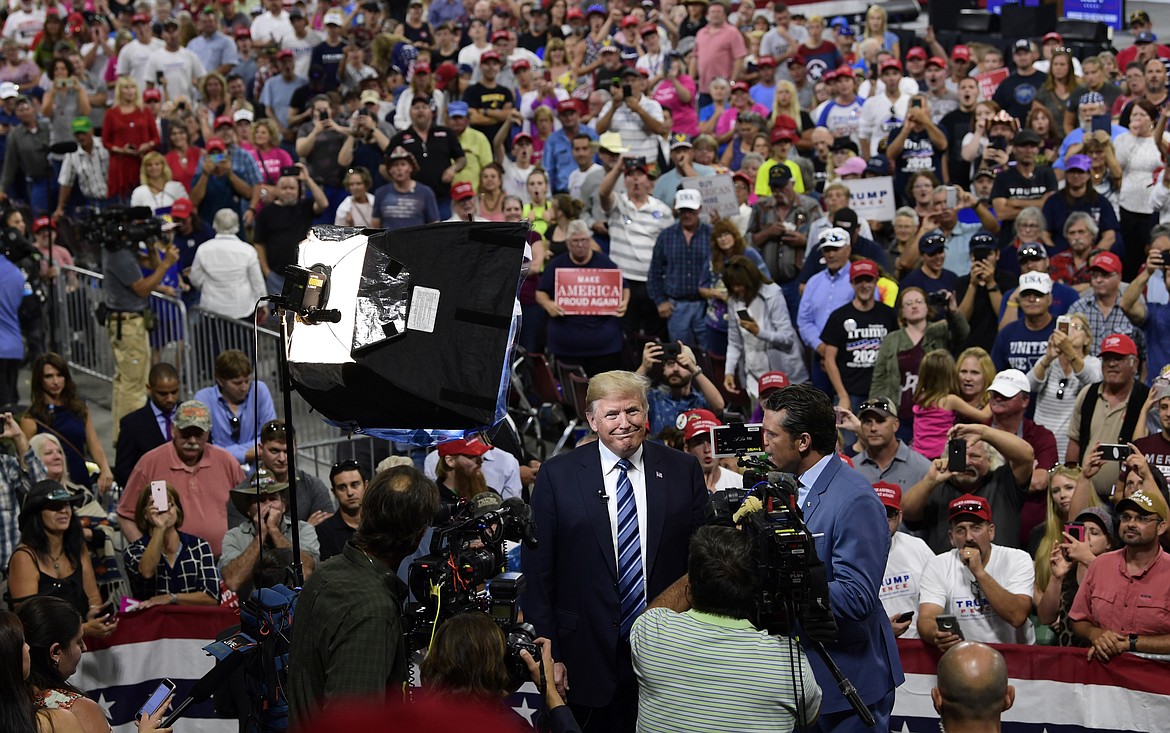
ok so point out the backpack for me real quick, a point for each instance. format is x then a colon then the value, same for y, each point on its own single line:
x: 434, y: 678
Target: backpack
x: 267, y: 617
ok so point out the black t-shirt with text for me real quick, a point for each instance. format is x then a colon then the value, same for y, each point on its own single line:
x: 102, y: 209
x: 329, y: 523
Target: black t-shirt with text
x: 858, y: 335
x: 479, y: 96
x: 1011, y: 184
x: 434, y: 155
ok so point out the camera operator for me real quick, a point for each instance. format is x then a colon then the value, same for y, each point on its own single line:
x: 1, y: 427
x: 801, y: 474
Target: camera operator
x: 691, y: 659
x: 852, y: 536
x: 347, y: 640
x: 476, y: 636
x: 126, y: 295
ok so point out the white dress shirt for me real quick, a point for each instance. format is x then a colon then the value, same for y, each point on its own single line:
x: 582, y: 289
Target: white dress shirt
x: 227, y: 271
x: 637, y: 475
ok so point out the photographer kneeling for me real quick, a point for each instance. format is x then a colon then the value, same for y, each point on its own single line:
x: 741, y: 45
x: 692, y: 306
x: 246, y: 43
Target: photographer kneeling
x: 469, y: 659
x: 692, y: 662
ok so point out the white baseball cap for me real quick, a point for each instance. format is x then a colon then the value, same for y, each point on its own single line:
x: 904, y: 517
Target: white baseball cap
x: 334, y: 17
x: 243, y: 114
x: 688, y: 198
x: 1009, y: 383
x: 8, y: 90
x: 833, y: 237
x: 1039, y: 282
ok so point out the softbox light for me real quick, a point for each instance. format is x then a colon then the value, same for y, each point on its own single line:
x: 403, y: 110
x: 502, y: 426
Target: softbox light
x: 428, y: 317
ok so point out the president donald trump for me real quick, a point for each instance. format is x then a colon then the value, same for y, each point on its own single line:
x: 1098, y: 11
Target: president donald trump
x: 614, y: 520
x: 852, y: 536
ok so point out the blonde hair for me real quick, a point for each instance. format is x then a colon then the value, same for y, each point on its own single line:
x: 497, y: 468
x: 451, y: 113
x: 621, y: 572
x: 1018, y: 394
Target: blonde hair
x: 1054, y: 525
x: 937, y: 378
x: 1082, y: 319
x: 37, y: 443
x: 150, y: 158
x: 793, y: 110
x: 122, y: 83
x: 273, y: 131
x: 614, y: 385
x: 986, y: 365
x: 879, y: 11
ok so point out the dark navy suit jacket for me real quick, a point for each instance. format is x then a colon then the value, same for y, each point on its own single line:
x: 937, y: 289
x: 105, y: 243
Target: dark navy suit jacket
x: 572, y: 595
x: 138, y: 433
x: 852, y: 538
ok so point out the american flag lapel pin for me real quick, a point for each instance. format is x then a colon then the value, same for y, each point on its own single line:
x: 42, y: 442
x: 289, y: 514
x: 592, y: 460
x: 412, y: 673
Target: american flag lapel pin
x: 658, y: 474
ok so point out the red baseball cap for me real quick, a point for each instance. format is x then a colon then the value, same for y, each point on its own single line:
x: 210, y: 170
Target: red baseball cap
x: 575, y: 13
x: 182, y: 208
x: 223, y: 121
x: 630, y: 21
x: 522, y: 136
x: 463, y: 447
x: 938, y: 61
x: 738, y: 176
x: 139, y: 18
x: 698, y: 422
x: 772, y: 380
x: 890, y: 495
x: 499, y: 36
x: 422, y: 67
x: 648, y: 29
x: 462, y: 190
x: 43, y: 222
x: 830, y: 75
x: 741, y: 86
x: 766, y: 61
x: 784, y: 133
x: 152, y: 95
x: 797, y: 59
x: 845, y: 70
x: 1106, y: 261
x: 243, y: 33
x: 971, y: 507
x: 284, y: 53
x: 1052, y: 36
x: 784, y: 122
x: 918, y: 52
x: 863, y: 268
x: 961, y: 53
x: 568, y: 105
x: 489, y: 55
x: 216, y: 144
x: 1119, y: 344
x: 520, y: 65
x: 890, y: 63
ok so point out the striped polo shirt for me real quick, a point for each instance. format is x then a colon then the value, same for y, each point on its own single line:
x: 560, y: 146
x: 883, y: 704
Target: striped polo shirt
x: 633, y: 231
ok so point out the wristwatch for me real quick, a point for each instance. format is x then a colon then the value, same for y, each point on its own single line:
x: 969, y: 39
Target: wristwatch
x: 1133, y: 642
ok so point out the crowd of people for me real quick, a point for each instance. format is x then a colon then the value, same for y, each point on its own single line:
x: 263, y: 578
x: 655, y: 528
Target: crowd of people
x: 987, y: 362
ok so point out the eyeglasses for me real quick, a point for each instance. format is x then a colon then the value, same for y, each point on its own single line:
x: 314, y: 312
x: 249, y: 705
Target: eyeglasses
x: 1061, y: 388
x: 1128, y: 517
x: 234, y: 422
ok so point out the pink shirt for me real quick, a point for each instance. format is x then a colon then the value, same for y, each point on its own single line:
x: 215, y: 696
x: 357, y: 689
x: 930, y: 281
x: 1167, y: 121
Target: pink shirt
x: 716, y: 52
x: 727, y: 120
x: 686, y: 119
x: 203, y: 489
x: 1110, y: 598
x: 930, y: 430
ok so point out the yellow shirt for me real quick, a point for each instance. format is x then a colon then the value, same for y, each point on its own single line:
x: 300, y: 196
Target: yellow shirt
x: 762, y: 187
x: 479, y: 153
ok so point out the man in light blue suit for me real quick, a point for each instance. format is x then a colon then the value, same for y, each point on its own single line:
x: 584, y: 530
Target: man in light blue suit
x: 849, y: 526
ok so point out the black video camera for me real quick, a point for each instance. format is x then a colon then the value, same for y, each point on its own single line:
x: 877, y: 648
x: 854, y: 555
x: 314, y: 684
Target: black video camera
x: 122, y: 227
x: 793, y: 581
x: 465, y: 554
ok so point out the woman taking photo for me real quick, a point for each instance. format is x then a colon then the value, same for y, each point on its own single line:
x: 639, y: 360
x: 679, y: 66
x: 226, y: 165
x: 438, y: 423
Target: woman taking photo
x: 157, y: 191
x: 57, y: 409
x: 1139, y: 157
x: 895, y: 371
x: 1057, y: 378
x: 760, y: 335
x: 128, y: 132
x: 166, y: 566
x: 726, y: 242
x: 1061, y: 570
x: 18, y: 711
x: 51, y: 559
x: 64, y: 101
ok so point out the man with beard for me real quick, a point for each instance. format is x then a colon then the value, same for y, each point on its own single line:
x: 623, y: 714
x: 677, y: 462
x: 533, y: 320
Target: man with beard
x: 264, y: 501
x: 238, y: 406
x: 698, y: 442
x: 999, y: 469
x: 843, y: 512
x: 202, y: 474
x: 884, y: 458
x: 349, y: 486
x: 676, y: 393
x: 460, y: 472
x: 987, y: 587
x: 1121, y: 604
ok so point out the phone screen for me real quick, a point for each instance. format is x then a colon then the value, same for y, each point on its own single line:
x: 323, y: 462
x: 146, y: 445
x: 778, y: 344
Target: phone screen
x: 1062, y: 324
x: 157, y: 698
x: 952, y: 197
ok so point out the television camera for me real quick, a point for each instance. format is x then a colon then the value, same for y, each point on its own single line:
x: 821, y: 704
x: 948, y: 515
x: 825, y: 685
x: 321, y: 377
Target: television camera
x: 121, y: 227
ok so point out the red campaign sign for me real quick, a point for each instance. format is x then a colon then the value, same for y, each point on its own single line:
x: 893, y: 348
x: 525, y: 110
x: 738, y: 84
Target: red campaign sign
x: 990, y: 81
x: 588, y: 291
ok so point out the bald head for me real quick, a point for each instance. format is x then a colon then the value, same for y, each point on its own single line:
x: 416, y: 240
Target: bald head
x: 972, y: 684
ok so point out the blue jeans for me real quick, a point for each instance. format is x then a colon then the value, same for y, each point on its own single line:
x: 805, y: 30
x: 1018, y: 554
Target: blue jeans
x: 275, y: 282
x: 688, y: 322
x: 42, y: 197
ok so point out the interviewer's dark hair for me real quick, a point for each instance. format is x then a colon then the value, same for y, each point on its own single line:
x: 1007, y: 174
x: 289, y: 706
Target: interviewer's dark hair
x: 17, y: 713
x: 723, y: 572
x: 47, y: 621
x: 807, y: 410
x: 398, y: 505
x: 467, y: 658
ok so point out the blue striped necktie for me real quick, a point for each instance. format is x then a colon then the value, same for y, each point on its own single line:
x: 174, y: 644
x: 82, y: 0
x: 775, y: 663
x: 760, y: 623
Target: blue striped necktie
x: 631, y: 585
